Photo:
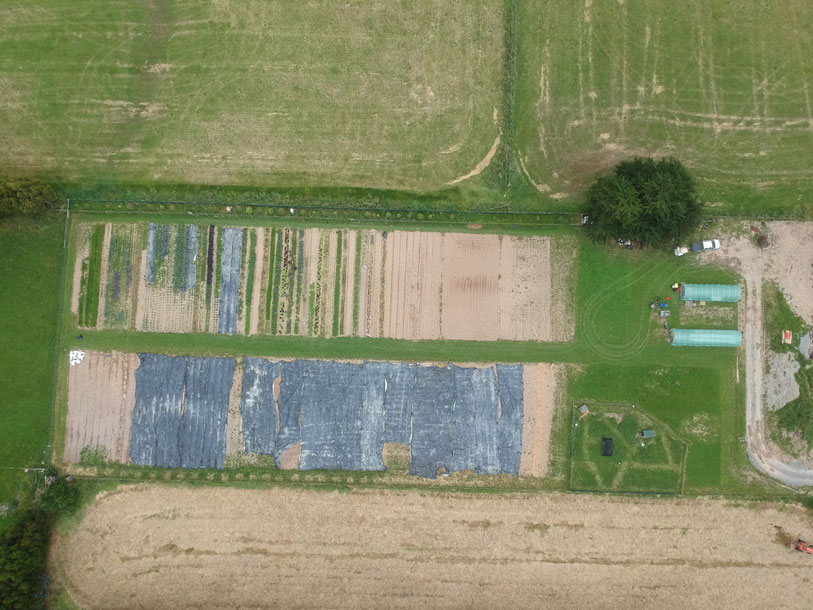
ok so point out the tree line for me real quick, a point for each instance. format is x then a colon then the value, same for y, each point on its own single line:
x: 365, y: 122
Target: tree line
x: 24, y: 196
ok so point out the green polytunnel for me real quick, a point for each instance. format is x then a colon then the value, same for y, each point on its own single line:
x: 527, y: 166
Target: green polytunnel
x: 726, y: 293
x: 706, y: 337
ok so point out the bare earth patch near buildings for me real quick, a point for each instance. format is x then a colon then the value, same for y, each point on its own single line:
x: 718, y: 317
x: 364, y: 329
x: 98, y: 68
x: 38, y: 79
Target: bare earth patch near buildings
x: 225, y: 548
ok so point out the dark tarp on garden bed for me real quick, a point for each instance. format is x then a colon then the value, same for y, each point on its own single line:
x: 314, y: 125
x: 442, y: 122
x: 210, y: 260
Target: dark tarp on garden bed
x: 181, y: 405
x: 342, y: 413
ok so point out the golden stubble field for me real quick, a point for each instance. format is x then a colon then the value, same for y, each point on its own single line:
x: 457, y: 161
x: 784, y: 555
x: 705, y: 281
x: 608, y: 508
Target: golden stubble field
x: 161, y: 546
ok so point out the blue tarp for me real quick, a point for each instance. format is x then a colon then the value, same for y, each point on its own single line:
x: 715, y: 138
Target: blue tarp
x: 179, y: 418
x: 342, y: 414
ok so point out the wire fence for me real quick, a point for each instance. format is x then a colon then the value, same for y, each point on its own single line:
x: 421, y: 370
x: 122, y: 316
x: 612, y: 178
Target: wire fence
x: 329, y: 212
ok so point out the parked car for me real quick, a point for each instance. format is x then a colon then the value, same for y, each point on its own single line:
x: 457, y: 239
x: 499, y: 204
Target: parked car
x: 706, y: 244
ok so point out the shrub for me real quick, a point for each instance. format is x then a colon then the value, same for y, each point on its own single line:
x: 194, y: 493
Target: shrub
x: 24, y: 197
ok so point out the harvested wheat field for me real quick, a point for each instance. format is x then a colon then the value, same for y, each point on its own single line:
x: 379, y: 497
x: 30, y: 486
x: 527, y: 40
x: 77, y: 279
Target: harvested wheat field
x: 153, y: 546
x: 101, y: 397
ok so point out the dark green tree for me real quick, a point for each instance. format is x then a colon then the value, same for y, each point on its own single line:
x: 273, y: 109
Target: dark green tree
x: 23, y: 551
x: 653, y: 202
x: 23, y: 196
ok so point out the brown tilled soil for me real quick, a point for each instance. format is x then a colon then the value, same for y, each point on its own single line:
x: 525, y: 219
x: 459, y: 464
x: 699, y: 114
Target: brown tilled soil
x: 466, y: 286
x: 470, y: 272
x: 101, y: 397
x: 562, y: 266
x: 234, y: 422
x: 349, y: 286
x: 539, y: 403
x: 525, y: 289
x: 82, y: 252
x: 173, y: 547
x: 290, y: 459
x: 375, y: 286
x: 412, y: 299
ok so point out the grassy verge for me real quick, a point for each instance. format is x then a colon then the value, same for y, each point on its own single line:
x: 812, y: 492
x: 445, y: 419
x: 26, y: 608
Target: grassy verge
x: 92, y: 281
x: 31, y: 260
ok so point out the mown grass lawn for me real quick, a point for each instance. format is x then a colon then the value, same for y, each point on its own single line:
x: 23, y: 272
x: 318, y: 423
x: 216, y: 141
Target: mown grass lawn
x: 31, y: 257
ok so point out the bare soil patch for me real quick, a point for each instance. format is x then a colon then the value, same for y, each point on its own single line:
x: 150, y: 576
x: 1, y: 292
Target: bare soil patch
x: 217, y: 548
x: 413, y: 286
x: 525, y: 289
x: 465, y: 286
x: 539, y: 403
x: 101, y: 397
x: 471, y: 269
x: 290, y: 459
x: 234, y: 423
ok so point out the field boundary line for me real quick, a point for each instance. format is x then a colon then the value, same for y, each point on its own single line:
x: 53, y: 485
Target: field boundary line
x: 58, y: 339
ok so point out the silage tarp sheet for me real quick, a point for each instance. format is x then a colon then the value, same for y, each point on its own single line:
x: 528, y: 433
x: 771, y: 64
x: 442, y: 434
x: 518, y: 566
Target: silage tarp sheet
x: 453, y: 418
x: 231, y: 259
x: 179, y: 417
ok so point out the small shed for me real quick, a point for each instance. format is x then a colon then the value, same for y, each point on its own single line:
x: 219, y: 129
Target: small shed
x: 705, y: 337
x: 607, y: 447
x: 723, y: 293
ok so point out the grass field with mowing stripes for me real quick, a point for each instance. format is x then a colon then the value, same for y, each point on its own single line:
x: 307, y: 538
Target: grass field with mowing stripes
x: 723, y: 85
x: 398, y: 95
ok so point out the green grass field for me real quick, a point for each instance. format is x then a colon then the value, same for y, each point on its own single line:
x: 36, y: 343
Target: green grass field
x: 723, y: 85
x: 637, y: 464
x: 30, y: 271
x: 398, y: 95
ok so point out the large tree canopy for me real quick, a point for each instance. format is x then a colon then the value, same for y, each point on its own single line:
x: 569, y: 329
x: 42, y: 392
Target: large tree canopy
x: 650, y: 201
x: 23, y: 196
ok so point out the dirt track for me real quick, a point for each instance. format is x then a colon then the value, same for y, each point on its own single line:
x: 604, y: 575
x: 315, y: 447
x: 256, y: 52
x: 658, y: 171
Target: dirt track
x: 169, y: 547
x: 788, y: 263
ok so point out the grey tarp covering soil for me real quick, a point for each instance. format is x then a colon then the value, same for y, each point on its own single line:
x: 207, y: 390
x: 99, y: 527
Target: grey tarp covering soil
x: 342, y: 413
x: 179, y: 418
x: 190, y: 270
x: 151, y: 253
x: 230, y: 280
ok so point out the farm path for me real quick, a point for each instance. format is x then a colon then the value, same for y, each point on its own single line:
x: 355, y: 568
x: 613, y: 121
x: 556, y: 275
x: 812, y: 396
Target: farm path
x: 181, y: 547
x: 755, y: 266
